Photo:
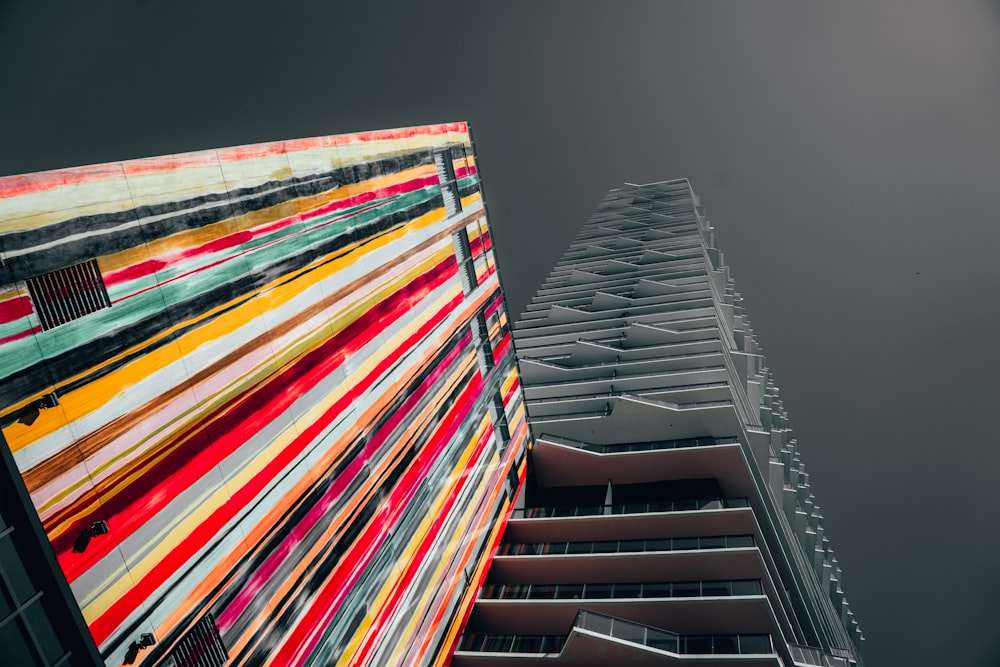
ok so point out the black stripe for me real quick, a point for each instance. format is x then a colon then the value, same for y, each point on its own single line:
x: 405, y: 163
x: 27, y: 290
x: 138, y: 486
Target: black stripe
x: 180, y: 217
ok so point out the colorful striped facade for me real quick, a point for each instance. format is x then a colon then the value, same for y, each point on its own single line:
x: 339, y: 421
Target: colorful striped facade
x: 297, y: 415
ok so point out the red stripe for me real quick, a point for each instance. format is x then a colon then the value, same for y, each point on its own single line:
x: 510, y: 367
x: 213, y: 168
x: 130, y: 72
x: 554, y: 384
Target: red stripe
x: 103, y: 626
x: 330, y: 597
x: 219, y: 434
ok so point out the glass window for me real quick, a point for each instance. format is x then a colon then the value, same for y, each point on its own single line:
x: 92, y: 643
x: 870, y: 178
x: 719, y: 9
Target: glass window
x: 686, y: 589
x: 725, y: 644
x: 681, y: 543
x: 44, y: 633
x: 15, y: 643
x: 712, y: 542
x: 607, y: 547
x: 746, y: 587
x: 632, y: 545
x: 628, y: 590
x: 579, y: 547
x: 755, y: 644
x: 569, y: 591
x: 659, y: 545
x: 697, y: 644
x: 662, y: 640
x: 597, y: 591
x: 737, y: 541
x: 657, y: 590
x: 14, y: 569
x: 715, y: 588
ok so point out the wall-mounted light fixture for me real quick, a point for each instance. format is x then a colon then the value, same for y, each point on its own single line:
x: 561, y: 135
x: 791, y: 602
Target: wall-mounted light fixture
x: 29, y: 413
x: 96, y: 529
x: 145, y: 640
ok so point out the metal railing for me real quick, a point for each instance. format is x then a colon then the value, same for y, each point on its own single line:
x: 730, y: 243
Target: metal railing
x: 640, y: 446
x: 686, y: 505
x: 621, y: 629
x: 665, y: 589
x: 814, y: 657
x: 625, y: 546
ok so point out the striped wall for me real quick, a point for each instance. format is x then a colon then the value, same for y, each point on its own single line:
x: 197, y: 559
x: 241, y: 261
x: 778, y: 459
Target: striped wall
x: 281, y: 417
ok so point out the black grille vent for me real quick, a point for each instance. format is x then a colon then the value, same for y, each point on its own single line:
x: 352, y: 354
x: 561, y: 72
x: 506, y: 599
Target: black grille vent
x: 201, y: 646
x: 68, y: 294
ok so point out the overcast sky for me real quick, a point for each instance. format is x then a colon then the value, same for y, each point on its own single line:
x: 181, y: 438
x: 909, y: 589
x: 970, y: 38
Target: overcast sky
x: 848, y: 154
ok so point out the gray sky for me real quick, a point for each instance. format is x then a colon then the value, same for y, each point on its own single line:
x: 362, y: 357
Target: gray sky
x: 848, y: 154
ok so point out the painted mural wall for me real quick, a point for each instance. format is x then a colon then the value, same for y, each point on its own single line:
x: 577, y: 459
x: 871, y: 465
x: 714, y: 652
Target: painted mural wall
x: 284, y: 410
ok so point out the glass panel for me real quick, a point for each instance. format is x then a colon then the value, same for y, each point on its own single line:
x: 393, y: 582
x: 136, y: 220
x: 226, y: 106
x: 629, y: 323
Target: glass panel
x: 662, y: 640
x: 715, y: 588
x: 569, y: 592
x: 527, y: 644
x: 541, y: 592
x: 628, y: 590
x: 725, y: 644
x: 686, y: 589
x: 597, y: 623
x: 746, y: 587
x: 659, y: 545
x: 695, y: 644
x: 712, y: 543
x: 681, y: 543
x: 15, y: 643
x: 605, y: 547
x: 633, y: 545
x: 497, y: 642
x: 755, y: 644
x: 579, y: 547
x: 630, y: 632
x: 597, y: 591
x: 14, y: 569
x: 737, y: 541
x: 44, y: 632
x: 656, y: 590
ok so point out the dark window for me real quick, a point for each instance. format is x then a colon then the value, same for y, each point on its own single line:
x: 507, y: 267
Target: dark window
x: 68, y: 294
x: 201, y: 646
x: 449, y: 186
x: 466, y: 264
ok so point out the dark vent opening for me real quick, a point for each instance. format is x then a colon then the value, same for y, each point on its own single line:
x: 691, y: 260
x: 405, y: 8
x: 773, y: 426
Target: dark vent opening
x: 68, y: 294
x: 201, y: 646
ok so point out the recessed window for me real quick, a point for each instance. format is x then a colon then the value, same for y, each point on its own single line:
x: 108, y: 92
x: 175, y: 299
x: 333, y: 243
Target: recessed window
x: 449, y: 184
x: 68, y: 294
x: 466, y: 264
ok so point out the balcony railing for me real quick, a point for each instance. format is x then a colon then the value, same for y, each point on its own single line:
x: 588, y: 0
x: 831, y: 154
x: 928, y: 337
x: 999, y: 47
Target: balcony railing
x: 666, y: 589
x: 626, y: 631
x: 814, y: 657
x: 625, y: 546
x: 681, y: 443
x: 687, y: 505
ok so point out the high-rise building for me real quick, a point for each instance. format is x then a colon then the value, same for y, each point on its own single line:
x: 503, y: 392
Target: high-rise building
x: 259, y: 405
x: 666, y: 517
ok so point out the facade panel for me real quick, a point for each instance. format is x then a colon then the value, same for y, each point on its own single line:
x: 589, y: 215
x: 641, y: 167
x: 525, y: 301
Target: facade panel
x: 280, y: 442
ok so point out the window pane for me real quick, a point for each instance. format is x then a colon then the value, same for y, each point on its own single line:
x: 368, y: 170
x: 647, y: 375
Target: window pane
x: 737, y: 541
x: 15, y: 643
x: 715, y: 588
x: 14, y: 568
x: 746, y: 587
x: 44, y: 633
x: 725, y: 644
x: 686, y: 589
x: 712, y: 543
x: 755, y: 644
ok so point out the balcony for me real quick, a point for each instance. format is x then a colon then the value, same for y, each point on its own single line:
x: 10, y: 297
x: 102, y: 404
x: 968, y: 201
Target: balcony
x: 686, y: 505
x: 597, y: 638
